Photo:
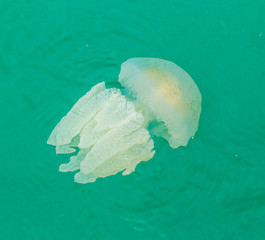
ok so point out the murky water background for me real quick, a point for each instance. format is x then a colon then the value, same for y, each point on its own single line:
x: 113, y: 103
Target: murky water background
x: 53, y: 52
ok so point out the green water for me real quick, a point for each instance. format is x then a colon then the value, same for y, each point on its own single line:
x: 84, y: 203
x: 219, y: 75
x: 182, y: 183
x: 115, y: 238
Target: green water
x: 53, y: 52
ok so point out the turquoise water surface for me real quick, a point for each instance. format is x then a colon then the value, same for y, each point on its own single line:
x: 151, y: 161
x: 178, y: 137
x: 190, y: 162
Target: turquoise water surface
x: 53, y: 52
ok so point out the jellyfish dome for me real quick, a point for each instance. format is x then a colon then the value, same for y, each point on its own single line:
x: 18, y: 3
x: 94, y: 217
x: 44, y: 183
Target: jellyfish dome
x: 111, y: 128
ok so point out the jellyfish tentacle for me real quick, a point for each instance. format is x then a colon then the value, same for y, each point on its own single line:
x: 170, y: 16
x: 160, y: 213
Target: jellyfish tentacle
x: 83, y: 111
x: 74, y: 163
x: 116, y: 140
x: 81, y: 178
x: 108, y: 139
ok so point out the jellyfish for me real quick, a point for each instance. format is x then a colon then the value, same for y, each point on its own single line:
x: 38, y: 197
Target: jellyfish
x: 112, y: 129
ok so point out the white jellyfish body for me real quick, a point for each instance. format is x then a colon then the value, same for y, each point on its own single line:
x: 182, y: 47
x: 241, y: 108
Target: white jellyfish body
x: 108, y: 127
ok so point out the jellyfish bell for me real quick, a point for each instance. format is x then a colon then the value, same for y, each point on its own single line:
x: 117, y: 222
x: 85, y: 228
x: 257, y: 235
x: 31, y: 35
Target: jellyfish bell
x: 111, y: 128
x: 166, y: 90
